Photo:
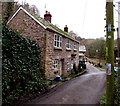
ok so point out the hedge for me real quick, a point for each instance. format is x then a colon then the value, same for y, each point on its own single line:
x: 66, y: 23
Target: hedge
x: 21, y: 71
x: 117, y: 87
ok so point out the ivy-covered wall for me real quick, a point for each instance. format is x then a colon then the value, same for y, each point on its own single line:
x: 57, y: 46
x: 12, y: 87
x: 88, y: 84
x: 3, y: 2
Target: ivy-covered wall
x: 21, y: 71
x: 117, y: 87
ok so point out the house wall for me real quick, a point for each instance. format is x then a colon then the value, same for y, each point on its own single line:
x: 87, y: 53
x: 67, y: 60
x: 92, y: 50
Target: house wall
x: 27, y: 27
x: 45, y: 38
x: 61, y: 54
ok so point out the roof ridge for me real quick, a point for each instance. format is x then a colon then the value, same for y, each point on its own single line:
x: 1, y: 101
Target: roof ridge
x: 45, y: 24
x: 28, y: 13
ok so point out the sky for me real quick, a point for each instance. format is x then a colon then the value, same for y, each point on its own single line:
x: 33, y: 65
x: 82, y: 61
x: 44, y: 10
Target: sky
x: 84, y: 17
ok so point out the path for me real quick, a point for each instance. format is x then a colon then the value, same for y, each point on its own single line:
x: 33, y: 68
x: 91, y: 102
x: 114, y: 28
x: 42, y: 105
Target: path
x: 86, y: 89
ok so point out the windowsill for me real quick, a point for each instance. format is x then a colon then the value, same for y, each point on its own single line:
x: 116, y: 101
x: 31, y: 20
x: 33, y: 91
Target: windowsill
x: 75, y: 50
x: 68, y: 49
x: 57, y: 48
x: 56, y: 69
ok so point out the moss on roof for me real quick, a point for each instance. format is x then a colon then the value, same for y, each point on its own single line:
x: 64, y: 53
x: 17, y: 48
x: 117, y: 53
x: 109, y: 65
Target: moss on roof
x: 50, y: 25
x: 61, y: 31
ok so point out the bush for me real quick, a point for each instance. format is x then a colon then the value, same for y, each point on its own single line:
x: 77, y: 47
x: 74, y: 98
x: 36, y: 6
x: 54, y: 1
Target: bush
x: 117, y: 91
x: 75, y: 69
x: 103, y: 101
x: 21, y: 72
x: 117, y: 87
x: 79, y: 67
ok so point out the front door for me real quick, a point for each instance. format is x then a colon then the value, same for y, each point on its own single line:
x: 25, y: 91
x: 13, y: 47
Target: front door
x: 62, y: 67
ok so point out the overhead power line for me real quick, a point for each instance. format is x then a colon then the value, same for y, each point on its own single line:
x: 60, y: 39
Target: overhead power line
x: 84, y: 15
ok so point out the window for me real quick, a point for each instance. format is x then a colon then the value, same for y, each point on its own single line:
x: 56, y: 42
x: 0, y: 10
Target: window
x: 55, y: 64
x: 69, y: 64
x: 68, y: 43
x: 75, y: 46
x: 57, y: 40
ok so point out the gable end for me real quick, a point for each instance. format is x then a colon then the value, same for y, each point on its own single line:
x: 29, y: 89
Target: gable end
x: 28, y: 15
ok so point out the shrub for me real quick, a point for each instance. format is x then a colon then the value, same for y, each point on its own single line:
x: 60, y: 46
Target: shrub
x: 79, y: 67
x: 75, y: 68
x: 21, y: 72
x: 117, y: 87
x: 103, y: 101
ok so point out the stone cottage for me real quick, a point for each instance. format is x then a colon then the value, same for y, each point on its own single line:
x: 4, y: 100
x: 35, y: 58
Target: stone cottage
x: 59, y: 50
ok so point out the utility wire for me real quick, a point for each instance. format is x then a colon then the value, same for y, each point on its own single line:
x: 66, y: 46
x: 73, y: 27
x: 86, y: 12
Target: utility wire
x: 84, y: 16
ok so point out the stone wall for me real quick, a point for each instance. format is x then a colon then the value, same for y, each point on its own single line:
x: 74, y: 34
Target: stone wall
x: 60, y: 54
x: 25, y: 25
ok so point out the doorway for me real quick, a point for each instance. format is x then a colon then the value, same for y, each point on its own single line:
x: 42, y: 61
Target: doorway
x: 62, y: 67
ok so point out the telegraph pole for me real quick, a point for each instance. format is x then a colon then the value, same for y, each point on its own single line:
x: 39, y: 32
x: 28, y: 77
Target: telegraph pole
x: 118, y: 42
x: 118, y: 34
x: 110, y: 52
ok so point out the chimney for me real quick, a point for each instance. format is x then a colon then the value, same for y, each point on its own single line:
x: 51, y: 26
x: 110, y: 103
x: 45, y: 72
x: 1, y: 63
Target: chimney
x: 66, y: 28
x: 47, y: 16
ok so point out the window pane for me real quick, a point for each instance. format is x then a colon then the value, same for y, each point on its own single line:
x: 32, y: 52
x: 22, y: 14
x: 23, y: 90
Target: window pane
x: 55, y: 37
x: 57, y: 41
x: 60, y: 44
x: 58, y: 37
x: 69, y: 44
x: 55, y: 63
x: 67, y: 40
x: 57, y: 44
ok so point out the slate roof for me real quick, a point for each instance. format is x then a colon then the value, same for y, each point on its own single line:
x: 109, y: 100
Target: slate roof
x: 45, y: 24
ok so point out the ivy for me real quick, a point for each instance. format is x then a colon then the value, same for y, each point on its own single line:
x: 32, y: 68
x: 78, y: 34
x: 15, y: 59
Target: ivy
x: 21, y: 72
x: 117, y: 87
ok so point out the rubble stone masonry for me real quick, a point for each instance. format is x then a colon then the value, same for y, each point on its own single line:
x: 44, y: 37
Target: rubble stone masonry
x: 29, y: 28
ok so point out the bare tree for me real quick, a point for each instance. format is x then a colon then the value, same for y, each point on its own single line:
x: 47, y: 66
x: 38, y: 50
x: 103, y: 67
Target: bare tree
x: 35, y: 10
x: 96, y: 48
x: 7, y: 10
x: 72, y: 33
x: 31, y: 8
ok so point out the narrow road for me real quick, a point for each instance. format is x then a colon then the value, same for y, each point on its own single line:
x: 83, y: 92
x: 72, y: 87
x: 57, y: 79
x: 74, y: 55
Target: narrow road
x: 86, y: 89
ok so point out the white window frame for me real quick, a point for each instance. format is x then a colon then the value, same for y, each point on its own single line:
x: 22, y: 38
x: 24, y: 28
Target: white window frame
x: 57, y: 40
x: 68, y: 43
x: 55, y: 63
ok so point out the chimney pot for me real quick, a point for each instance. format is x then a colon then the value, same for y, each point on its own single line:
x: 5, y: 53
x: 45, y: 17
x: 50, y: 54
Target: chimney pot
x: 47, y: 16
x: 66, y: 28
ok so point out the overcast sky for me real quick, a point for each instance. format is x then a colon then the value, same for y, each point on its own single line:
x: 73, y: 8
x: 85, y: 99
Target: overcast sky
x: 84, y: 17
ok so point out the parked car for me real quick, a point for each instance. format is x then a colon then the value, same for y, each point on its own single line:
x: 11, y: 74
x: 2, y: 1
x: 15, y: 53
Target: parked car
x: 82, y: 65
x: 116, y: 68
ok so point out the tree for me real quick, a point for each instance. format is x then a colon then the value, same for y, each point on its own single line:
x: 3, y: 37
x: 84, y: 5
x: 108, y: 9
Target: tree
x: 31, y: 8
x: 7, y: 10
x: 21, y: 67
x: 96, y: 48
x: 35, y: 10
x: 73, y: 34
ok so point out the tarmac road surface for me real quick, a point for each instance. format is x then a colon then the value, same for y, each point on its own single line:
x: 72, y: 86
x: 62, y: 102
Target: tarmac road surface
x: 86, y: 89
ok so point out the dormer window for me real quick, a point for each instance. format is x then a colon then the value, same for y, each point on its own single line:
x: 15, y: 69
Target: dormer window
x: 68, y: 43
x: 57, y: 40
